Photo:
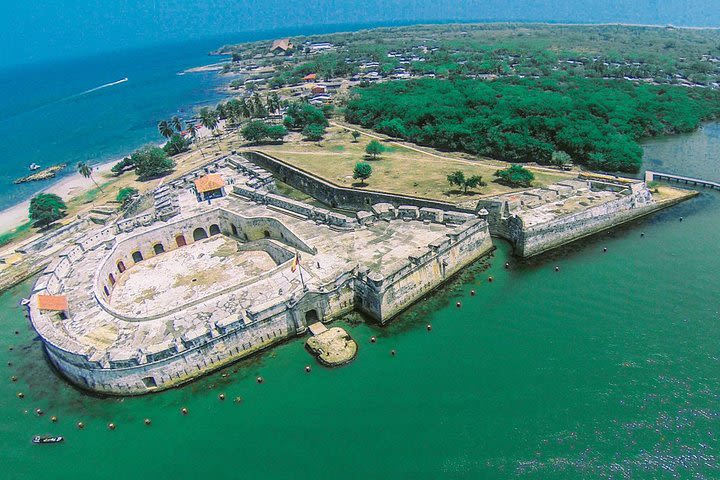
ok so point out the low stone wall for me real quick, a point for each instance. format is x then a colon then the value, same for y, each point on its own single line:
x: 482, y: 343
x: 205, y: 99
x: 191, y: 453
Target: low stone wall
x: 334, y: 195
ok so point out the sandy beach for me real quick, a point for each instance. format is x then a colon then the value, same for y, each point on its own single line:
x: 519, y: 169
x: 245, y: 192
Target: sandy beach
x: 65, y: 188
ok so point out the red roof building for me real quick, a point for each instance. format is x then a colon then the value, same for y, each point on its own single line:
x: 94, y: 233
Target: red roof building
x: 55, y: 303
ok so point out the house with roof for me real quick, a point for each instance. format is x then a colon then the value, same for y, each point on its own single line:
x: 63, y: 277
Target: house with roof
x: 209, y: 186
x: 310, y: 77
x: 282, y: 45
x: 53, y: 304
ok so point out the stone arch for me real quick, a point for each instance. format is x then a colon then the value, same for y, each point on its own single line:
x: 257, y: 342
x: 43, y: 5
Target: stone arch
x: 158, y: 248
x: 311, y: 316
x: 266, y: 233
x: 234, y: 229
x: 121, y: 266
x: 214, y: 229
x: 137, y: 256
x: 111, y: 278
x: 199, y: 233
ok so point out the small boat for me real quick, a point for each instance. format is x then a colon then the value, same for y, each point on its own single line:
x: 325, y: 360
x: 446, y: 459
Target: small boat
x: 25, y: 302
x: 34, y: 166
x: 47, y: 439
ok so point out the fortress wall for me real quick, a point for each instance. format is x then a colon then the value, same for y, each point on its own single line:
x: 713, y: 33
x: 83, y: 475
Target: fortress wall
x: 538, y: 239
x: 336, y: 196
x: 383, y: 298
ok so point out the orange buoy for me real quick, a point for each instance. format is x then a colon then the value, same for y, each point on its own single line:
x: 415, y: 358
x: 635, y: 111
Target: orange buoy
x: 147, y: 421
x: 373, y: 339
x: 221, y: 396
x: 184, y: 411
x: 308, y: 369
x: 260, y: 379
x: 111, y: 426
x: 490, y: 279
x: 53, y: 419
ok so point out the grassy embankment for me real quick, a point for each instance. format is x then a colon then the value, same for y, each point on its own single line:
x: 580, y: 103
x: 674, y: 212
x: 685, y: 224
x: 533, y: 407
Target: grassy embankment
x: 402, y: 169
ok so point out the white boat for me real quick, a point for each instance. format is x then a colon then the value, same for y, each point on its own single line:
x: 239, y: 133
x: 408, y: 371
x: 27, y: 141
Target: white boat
x: 34, y: 166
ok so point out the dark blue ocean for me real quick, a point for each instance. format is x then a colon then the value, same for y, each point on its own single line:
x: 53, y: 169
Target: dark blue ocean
x: 66, y: 112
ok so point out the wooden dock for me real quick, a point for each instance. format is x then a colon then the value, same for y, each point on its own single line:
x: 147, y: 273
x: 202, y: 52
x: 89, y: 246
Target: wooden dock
x: 651, y: 176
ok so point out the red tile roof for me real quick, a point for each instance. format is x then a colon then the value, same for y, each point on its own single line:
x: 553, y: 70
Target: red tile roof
x: 53, y: 302
x: 310, y: 76
x: 209, y: 183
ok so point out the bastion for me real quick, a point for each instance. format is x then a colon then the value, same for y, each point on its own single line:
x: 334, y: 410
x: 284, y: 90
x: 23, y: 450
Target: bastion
x: 223, y: 267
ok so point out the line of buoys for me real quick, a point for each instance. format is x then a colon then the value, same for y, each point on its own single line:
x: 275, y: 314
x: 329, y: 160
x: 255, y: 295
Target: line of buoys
x: 221, y: 396
x: 80, y: 425
x: 111, y: 426
x: 490, y: 279
x: 184, y: 411
x: 557, y: 268
x: 472, y: 293
x: 260, y: 379
x: 21, y: 395
x: 13, y: 378
x: 39, y: 412
x: 308, y: 369
x: 53, y: 419
x: 429, y: 327
x: 147, y: 421
x: 458, y: 304
x: 373, y: 339
x: 392, y: 352
x: 604, y: 249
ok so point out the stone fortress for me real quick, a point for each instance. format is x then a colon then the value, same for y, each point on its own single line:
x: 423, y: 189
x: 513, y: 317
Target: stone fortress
x: 223, y: 266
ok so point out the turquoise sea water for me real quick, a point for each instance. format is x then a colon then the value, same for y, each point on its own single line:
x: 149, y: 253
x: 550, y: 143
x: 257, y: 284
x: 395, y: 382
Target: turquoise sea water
x: 609, y: 368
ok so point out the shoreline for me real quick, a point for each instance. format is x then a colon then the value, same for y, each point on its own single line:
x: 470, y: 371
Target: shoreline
x: 65, y: 187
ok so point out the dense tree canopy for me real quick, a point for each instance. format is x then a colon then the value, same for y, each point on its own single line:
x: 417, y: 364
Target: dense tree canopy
x: 362, y: 171
x: 300, y: 115
x: 596, y: 122
x: 151, y: 161
x: 45, y: 208
x: 516, y: 176
x: 258, y: 131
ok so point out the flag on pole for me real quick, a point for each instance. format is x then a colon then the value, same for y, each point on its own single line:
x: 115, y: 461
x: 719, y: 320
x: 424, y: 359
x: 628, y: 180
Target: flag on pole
x: 296, y: 262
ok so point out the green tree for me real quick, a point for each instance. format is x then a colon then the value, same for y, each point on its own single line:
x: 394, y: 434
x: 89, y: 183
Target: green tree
x: 45, y: 208
x: 516, y: 176
x: 313, y: 132
x: 299, y: 115
x: 355, y: 134
x: 209, y: 119
x: 362, y: 171
x: 165, y: 129
x: 177, y: 124
x: 124, y: 164
x: 151, y: 161
x: 255, y: 131
x: 561, y: 158
x: 86, y: 171
x: 374, y: 149
x: 277, y: 132
x: 125, y: 195
x: 458, y: 178
x: 176, y: 144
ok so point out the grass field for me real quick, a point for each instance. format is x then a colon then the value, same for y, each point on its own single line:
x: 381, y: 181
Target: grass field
x: 402, y: 169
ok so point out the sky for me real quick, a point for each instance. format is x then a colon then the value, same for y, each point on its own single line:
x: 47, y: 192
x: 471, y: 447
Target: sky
x: 32, y: 31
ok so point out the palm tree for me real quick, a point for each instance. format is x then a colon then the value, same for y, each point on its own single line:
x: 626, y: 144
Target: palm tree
x: 177, y: 124
x: 192, y: 128
x: 86, y: 171
x: 165, y: 129
x: 209, y: 120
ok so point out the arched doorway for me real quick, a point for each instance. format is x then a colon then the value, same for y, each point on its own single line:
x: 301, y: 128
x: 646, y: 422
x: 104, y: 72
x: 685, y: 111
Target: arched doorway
x: 158, y: 248
x: 311, y: 316
x: 180, y: 240
x: 111, y: 278
x: 199, y: 234
x: 105, y: 289
x: 214, y: 229
x: 121, y: 266
x: 266, y: 233
x: 234, y: 229
x: 137, y: 256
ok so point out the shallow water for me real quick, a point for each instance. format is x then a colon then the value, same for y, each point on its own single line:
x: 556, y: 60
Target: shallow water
x: 605, y: 369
